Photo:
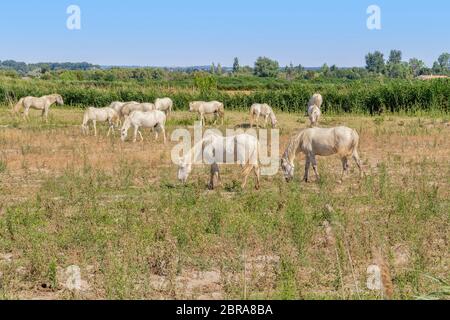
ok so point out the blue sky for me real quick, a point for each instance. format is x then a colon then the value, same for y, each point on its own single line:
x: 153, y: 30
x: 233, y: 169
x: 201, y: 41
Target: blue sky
x: 198, y: 32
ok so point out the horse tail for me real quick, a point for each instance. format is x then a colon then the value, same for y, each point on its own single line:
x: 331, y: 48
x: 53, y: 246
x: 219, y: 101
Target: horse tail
x: 170, y: 107
x: 18, y: 105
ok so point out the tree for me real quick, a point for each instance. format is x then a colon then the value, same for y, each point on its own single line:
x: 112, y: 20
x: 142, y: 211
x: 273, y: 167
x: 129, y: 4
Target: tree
x: 417, y: 66
x: 290, y: 71
x: 219, y: 69
x: 375, y: 62
x: 444, y: 61
x: 265, y: 67
x: 398, y: 70
x: 325, y: 70
x: 395, y: 57
x: 236, y: 66
x: 437, y: 69
x: 212, y: 69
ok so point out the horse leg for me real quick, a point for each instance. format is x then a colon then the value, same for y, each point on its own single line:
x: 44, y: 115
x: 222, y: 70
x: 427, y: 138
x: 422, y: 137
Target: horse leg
x: 163, y: 129
x: 111, y: 128
x: 314, y: 163
x: 136, y: 129
x: 266, y: 120
x: 358, y: 163
x: 308, y: 164
x: 156, y: 134
x: 344, y: 167
x: 246, y: 172
x: 140, y: 135
x: 25, y: 113
x: 95, y: 127
x: 45, y: 113
x: 257, y: 171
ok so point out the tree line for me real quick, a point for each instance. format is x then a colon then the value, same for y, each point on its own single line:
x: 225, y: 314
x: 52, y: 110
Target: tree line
x: 264, y: 67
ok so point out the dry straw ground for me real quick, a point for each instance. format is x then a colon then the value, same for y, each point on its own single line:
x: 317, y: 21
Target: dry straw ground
x: 116, y: 210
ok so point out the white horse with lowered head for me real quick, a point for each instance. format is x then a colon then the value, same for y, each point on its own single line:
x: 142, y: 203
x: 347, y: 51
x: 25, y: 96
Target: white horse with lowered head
x: 242, y: 148
x: 99, y: 115
x: 207, y: 108
x: 43, y: 103
x: 314, y: 142
x: 314, y: 111
x: 152, y: 119
x: 257, y: 110
x: 165, y: 105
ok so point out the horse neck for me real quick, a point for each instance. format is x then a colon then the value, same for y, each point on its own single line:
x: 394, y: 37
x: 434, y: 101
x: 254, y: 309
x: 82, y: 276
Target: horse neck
x: 294, y: 147
x: 272, y: 117
x: 51, y: 98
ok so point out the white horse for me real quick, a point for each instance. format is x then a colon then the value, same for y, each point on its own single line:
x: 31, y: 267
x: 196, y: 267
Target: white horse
x: 203, y: 108
x: 314, y: 142
x: 264, y: 110
x: 128, y: 108
x: 117, y: 106
x: 165, y: 105
x: 242, y: 148
x: 314, y: 114
x: 152, y: 119
x: 99, y: 114
x: 314, y: 111
x: 43, y: 103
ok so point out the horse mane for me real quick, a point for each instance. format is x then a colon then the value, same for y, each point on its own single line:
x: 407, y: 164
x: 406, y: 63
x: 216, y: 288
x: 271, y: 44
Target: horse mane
x: 293, y: 146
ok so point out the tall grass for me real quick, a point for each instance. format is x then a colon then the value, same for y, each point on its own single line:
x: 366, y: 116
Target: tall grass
x: 369, y: 97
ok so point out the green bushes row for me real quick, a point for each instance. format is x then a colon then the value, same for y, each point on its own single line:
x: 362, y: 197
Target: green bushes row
x: 357, y: 96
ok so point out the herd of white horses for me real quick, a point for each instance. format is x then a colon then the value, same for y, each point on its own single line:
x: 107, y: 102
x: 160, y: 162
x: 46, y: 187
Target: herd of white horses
x: 312, y: 142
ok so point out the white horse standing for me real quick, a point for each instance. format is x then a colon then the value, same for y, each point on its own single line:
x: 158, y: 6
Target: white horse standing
x: 206, y: 108
x: 264, y: 110
x: 165, y: 105
x: 314, y: 142
x: 43, y: 103
x: 242, y: 148
x: 314, y: 111
x: 152, y: 119
x: 101, y: 115
x: 128, y: 108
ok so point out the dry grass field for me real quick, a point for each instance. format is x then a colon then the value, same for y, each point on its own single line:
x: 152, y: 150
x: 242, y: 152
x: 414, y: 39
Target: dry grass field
x: 117, y: 211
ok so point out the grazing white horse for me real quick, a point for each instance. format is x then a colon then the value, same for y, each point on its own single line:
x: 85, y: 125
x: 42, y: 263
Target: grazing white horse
x: 314, y: 112
x: 128, y: 108
x: 165, y: 105
x: 314, y: 142
x: 264, y: 110
x: 101, y: 115
x: 203, y: 108
x: 242, y: 148
x: 152, y: 119
x: 42, y: 103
